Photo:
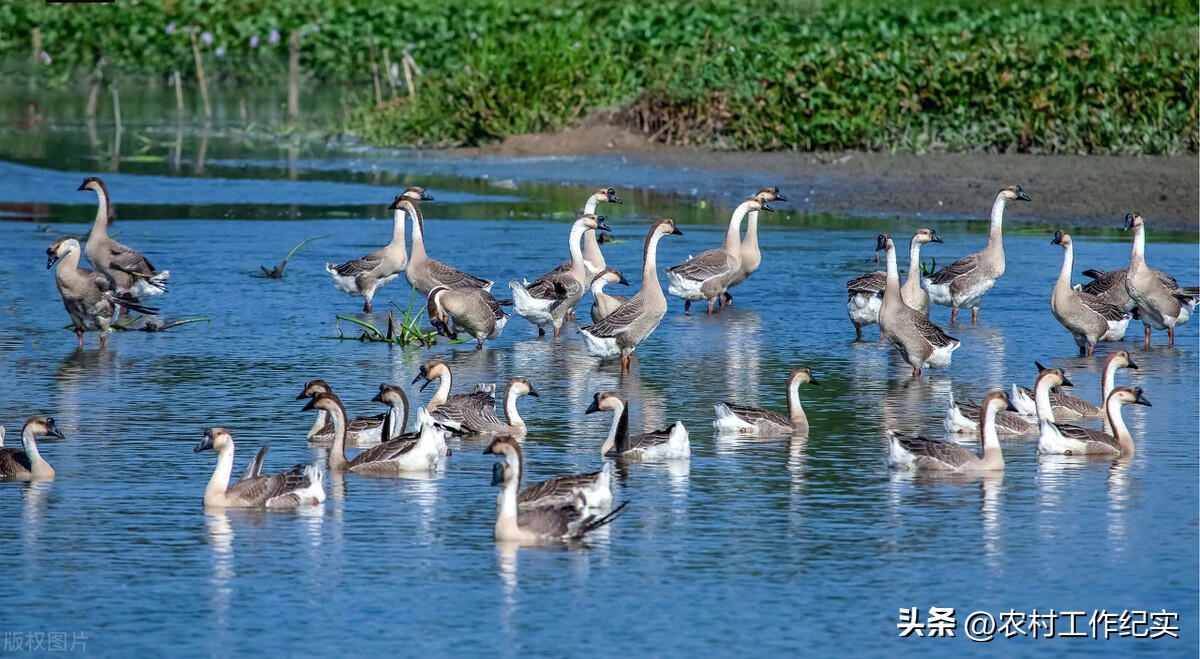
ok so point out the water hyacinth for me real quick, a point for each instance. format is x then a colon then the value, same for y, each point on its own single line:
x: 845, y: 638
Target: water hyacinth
x: 274, y: 38
x: 206, y: 37
x: 170, y: 28
x: 220, y: 52
x: 254, y: 41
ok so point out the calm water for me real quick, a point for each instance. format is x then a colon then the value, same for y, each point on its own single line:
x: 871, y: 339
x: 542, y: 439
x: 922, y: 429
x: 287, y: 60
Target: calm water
x: 772, y: 546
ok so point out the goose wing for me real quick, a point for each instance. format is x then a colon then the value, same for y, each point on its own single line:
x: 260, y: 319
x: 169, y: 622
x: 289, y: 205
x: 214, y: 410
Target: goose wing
x: 389, y: 450
x: 262, y: 488
x: 946, y: 453
x: 550, y: 521
x: 704, y: 266
x: 619, y: 320
x: 1087, y: 435
x: 757, y: 415
x: 937, y: 337
x: 14, y: 461
x: 1103, y: 281
x: 474, y: 412
x: 556, y: 488
x: 554, y: 285
x: 959, y: 268
x: 129, y: 261
x: 356, y: 267
x: 1074, y: 404
x: 649, y: 439
x: 365, y: 423
x: 452, y: 277
x: 871, y: 283
x: 1103, y: 309
x: 255, y: 467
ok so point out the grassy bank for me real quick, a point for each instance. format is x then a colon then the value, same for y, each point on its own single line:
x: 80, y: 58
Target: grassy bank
x: 1077, y: 77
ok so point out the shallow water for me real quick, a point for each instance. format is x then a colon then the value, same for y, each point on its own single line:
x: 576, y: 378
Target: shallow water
x: 778, y: 545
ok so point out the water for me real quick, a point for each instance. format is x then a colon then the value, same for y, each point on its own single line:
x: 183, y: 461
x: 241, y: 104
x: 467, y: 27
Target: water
x: 772, y: 546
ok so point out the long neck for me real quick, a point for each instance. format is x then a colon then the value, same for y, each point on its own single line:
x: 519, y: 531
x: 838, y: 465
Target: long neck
x: 443, y: 391
x: 892, y: 288
x: 322, y: 418
x: 508, y: 497
x: 988, y: 436
x: 29, y: 443
x: 1064, y: 276
x: 398, y: 229
x: 795, y: 410
x: 994, y: 236
x: 1041, y: 400
x: 337, y: 454
x: 396, y: 420
x: 576, y: 236
x: 751, y: 239
x: 220, y: 478
x: 598, y: 287
x: 68, y: 263
x: 914, y: 265
x: 100, y: 226
x: 732, y: 234
x: 1139, y: 247
x: 1112, y: 411
x: 1106, y: 386
x: 418, y: 237
x: 591, y: 246
x: 618, y: 431
x: 511, y: 415
x: 650, y: 262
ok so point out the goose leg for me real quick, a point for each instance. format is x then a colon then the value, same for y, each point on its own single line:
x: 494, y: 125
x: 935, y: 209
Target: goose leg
x: 710, y: 307
x: 79, y: 335
x: 1147, y: 336
x: 367, y: 307
x: 916, y: 372
x: 953, y: 315
x: 1171, y: 335
x: 541, y: 331
x: 728, y: 299
x: 881, y: 337
x: 974, y: 315
x: 570, y: 317
x: 687, y: 307
x: 1091, y: 350
x: 557, y: 329
x: 479, y: 344
x: 624, y: 363
x: 857, y: 333
x: 103, y: 340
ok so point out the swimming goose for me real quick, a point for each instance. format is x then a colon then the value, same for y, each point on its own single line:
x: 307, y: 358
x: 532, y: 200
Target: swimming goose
x: 658, y: 444
x: 706, y: 276
x: 741, y: 419
x: 361, y: 277
x: 619, y: 334
x: 1065, y: 439
x: 963, y: 417
x: 751, y: 257
x: 1160, y: 305
x: 299, y: 486
x: 1087, y: 318
x: 1066, y: 406
x: 26, y: 463
x: 963, y: 283
x: 395, y: 421
x: 566, y: 521
x: 88, y: 296
x: 546, y: 301
x: 864, y: 295
x: 362, y: 430
x: 604, y: 304
x: 591, y: 489
x: 424, y: 273
x: 474, y: 413
x: 921, y: 454
x: 920, y: 342
x: 128, y: 270
x: 471, y: 309
x: 386, y: 458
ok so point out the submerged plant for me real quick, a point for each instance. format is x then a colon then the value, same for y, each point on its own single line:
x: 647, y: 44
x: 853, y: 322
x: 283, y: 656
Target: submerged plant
x: 277, y: 271
x: 405, y: 332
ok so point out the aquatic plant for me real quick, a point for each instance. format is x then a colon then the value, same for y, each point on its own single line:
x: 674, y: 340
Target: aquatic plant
x: 277, y: 271
x: 405, y: 332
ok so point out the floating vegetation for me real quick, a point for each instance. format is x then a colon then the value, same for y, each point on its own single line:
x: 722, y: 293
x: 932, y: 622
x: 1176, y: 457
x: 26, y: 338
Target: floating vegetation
x: 151, y: 324
x: 277, y: 271
x: 405, y: 332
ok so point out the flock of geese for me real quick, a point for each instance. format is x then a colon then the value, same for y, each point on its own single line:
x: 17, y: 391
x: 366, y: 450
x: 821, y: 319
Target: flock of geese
x: 571, y: 506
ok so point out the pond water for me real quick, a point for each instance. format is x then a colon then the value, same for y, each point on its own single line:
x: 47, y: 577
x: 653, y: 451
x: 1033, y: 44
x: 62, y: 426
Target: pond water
x: 773, y: 546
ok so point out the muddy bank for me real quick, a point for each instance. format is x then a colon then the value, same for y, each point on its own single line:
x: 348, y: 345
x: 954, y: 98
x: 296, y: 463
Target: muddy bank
x: 1074, y: 190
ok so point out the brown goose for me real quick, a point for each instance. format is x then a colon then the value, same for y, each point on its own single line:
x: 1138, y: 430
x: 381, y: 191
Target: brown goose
x: 426, y: 274
x: 1066, y: 406
x: 604, y: 304
x: 751, y: 256
x: 26, y: 463
x: 1088, y: 319
x: 359, y: 431
x: 745, y: 420
x: 386, y: 458
x: 547, y: 300
x: 299, y: 486
x: 668, y: 443
x: 472, y: 310
x: 1064, y: 439
x: 88, y: 296
x: 920, y: 342
x: 128, y: 270
x: 864, y: 295
x: 706, y: 276
x: 1160, y: 305
x: 914, y: 453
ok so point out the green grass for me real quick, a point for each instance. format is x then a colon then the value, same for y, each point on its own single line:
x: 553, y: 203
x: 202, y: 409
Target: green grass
x: 1076, y: 77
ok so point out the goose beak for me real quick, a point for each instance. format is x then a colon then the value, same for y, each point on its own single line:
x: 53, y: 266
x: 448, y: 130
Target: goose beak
x: 425, y: 196
x: 601, y: 225
x: 1039, y: 366
x: 82, y: 187
x: 53, y: 430
x: 612, y: 198
x: 814, y: 382
x: 425, y: 384
x: 594, y: 407
x: 623, y: 281
x: 378, y: 398
x: 1129, y: 364
x: 676, y: 232
x: 1021, y: 196
x: 1128, y: 221
x: 498, y: 474
x: 302, y: 396
x: 533, y: 392
x: 1057, y: 240
x: 395, y: 204
x: 1141, y: 400
x: 205, y: 444
x: 51, y: 259
x: 310, y: 405
x: 766, y: 207
x: 779, y: 196
x: 1011, y: 408
x: 881, y: 243
x: 938, y: 239
x: 1066, y: 381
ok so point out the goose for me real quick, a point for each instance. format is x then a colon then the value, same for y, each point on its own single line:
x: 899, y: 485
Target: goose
x: 473, y: 310
x: 386, y: 458
x: 128, y: 270
x: 437, y: 369
x: 591, y: 489
x: 26, y: 463
x: 362, y: 430
x: 395, y: 421
x: 744, y: 420
x: 299, y: 486
x: 361, y: 277
x: 425, y: 274
x: 1109, y: 286
x: 1160, y: 305
x: 920, y: 342
x: 963, y: 283
x: 706, y: 276
x: 864, y: 295
x: 920, y: 454
x: 88, y: 296
x: 667, y: 443
x: 1064, y: 439
x: 474, y: 413
x: 963, y: 417
x: 567, y: 521
x: 604, y: 304
x: 751, y: 257
x: 1087, y: 318
x: 546, y: 301
x: 619, y: 334
x: 1066, y: 406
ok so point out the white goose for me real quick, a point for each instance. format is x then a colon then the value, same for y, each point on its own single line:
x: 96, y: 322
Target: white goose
x: 920, y: 454
x: 665, y: 444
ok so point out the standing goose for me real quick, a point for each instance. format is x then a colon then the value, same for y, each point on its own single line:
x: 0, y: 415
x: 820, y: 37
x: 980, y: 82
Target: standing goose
x: 26, y: 463
x: 604, y: 304
x: 1065, y: 439
x: 551, y: 523
x: 1110, y: 287
x: 87, y: 295
x: 299, y: 486
x: 619, y: 334
x: 667, y: 443
x: 921, y: 454
x: 361, y: 277
x: 706, y: 276
x: 1066, y: 406
x: 547, y: 300
x: 751, y: 257
x: 963, y: 283
x: 920, y: 342
x: 424, y: 273
x: 361, y: 430
x: 741, y: 419
x: 386, y: 458
x: 128, y: 270
x: 1087, y: 318
x: 473, y: 310
x: 1160, y: 305
x: 864, y: 295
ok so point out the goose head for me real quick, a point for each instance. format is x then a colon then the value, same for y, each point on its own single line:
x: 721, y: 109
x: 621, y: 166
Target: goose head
x: 431, y: 370
x: 94, y: 184
x: 1121, y: 359
x: 801, y: 375
x: 610, y: 276
x: 405, y: 203
x: 313, y: 387
x: 504, y: 446
x: 883, y: 242
x: 416, y: 193
x: 770, y: 194
x: 592, y: 221
x: 665, y: 226
x: 43, y: 426
x: 606, y: 195
x: 1133, y: 220
x: 997, y: 401
x: 1130, y: 396
x: 606, y: 401
x: 326, y: 401
x: 522, y: 387
x: 1055, y: 376
x: 926, y: 236
x: 391, y: 395
x: 437, y: 313
x: 758, y: 204
x: 1014, y: 193
x: 215, y: 439
x: 60, y: 248
x: 1061, y: 238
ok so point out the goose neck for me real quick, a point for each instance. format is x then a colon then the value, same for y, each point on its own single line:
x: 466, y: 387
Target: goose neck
x: 100, y: 225
x: 418, y: 231
x: 1138, y: 259
x: 1112, y: 411
x: 511, y: 415
x: 322, y: 419
x: 1064, y: 275
x: 795, y: 409
x: 337, y: 454
x: 219, y: 483
x: 995, y: 233
x: 445, y: 380
x: 573, y: 244
x: 733, y: 233
x: 398, y: 228
x: 1041, y: 399
x: 892, y: 288
x: 650, y: 261
x: 29, y: 444
x: 618, y: 434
